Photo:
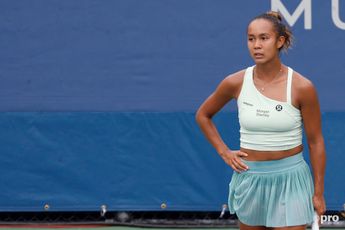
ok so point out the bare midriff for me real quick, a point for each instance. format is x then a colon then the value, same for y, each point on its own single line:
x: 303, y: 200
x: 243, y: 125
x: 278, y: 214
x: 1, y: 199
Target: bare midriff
x: 254, y: 155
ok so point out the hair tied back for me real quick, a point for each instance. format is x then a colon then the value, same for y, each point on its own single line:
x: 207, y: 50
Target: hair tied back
x: 275, y: 14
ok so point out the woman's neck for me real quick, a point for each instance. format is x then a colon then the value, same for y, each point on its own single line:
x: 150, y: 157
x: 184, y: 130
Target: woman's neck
x: 268, y: 70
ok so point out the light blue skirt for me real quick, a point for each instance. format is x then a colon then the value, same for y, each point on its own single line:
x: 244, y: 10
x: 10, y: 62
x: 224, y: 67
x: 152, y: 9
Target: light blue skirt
x: 274, y: 193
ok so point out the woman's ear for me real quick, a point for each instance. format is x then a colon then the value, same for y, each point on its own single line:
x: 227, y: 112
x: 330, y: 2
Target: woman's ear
x: 280, y: 42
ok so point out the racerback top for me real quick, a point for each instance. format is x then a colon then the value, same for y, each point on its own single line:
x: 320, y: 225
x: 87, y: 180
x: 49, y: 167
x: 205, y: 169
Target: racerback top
x: 267, y: 124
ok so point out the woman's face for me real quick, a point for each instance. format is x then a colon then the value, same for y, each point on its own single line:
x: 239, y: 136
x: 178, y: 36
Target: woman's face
x: 263, y: 43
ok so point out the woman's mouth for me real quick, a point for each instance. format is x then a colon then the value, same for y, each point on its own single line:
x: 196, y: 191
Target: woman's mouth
x: 258, y: 55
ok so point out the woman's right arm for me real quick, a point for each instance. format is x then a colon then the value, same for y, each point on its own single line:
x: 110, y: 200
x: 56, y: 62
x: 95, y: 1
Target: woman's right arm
x: 227, y: 90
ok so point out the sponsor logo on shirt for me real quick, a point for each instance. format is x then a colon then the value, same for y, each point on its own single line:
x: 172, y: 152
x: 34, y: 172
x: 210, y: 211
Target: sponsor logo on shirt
x: 279, y: 108
x: 262, y: 113
x: 247, y: 103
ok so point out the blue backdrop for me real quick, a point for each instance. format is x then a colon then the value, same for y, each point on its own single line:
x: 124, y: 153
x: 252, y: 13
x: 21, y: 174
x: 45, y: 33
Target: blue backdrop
x: 97, y: 99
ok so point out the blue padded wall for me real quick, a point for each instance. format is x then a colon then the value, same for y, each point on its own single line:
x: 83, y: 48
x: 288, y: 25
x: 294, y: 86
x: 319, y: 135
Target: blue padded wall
x: 97, y: 99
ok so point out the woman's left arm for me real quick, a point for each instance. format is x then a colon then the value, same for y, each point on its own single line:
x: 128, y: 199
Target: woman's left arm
x: 311, y: 116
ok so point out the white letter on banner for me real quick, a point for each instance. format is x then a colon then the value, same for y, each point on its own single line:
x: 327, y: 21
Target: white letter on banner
x: 304, y: 6
x: 335, y: 15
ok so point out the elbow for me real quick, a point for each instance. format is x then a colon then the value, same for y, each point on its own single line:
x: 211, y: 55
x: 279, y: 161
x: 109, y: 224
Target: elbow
x: 198, y: 116
x: 201, y: 116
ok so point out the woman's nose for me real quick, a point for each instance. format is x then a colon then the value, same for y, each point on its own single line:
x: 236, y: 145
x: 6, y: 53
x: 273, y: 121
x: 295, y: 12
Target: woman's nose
x: 257, y: 44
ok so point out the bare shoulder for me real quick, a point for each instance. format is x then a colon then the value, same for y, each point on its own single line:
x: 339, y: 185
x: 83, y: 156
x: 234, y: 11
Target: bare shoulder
x: 235, y: 78
x: 225, y: 92
x: 233, y: 82
x: 303, y: 87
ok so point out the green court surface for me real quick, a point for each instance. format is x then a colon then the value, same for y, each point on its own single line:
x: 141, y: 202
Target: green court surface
x: 43, y: 227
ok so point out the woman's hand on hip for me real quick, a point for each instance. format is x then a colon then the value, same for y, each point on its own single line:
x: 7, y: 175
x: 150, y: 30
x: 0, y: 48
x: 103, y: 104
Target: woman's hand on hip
x: 233, y: 158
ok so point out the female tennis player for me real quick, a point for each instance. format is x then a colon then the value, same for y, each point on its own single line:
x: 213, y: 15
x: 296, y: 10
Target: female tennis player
x: 272, y: 185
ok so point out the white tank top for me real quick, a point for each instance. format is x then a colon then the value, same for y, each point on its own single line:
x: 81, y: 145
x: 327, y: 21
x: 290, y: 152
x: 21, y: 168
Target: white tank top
x: 267, y: 124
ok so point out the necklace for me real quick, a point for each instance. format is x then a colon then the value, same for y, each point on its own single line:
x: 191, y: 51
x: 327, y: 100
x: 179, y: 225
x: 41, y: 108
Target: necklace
x: 262, y: 88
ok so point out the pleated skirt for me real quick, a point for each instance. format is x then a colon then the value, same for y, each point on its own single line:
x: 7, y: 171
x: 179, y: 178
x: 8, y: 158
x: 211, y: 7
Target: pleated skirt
x: 274, y: 193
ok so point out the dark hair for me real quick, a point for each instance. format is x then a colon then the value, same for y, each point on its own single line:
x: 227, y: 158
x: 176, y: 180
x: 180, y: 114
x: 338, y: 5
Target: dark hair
x: 282, y: 29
